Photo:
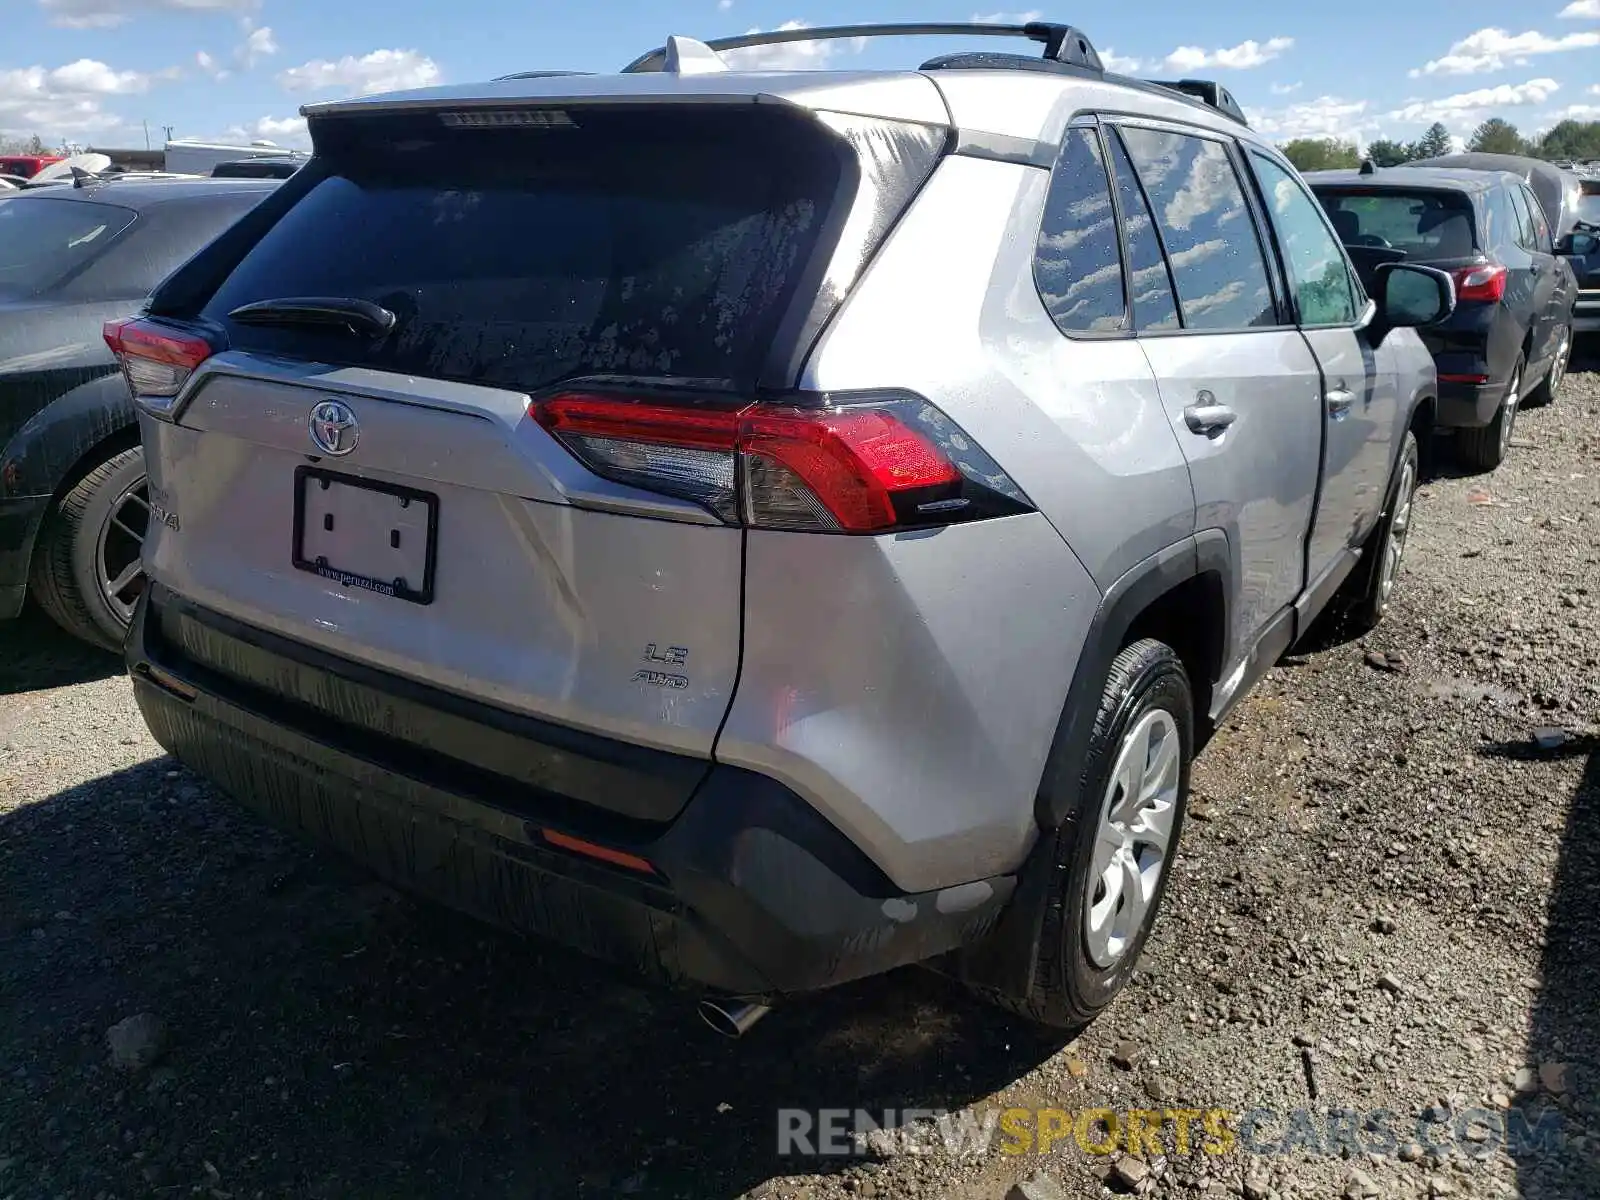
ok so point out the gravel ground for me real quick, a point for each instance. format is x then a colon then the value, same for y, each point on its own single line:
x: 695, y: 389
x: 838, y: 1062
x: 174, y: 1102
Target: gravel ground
x: 1389, y: 898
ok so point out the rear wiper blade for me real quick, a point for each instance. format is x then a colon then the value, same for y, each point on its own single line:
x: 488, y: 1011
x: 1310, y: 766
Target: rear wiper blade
x: 358, y: 316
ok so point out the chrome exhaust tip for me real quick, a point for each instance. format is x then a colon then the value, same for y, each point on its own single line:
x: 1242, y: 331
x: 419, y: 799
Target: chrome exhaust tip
x: 732, y: 1018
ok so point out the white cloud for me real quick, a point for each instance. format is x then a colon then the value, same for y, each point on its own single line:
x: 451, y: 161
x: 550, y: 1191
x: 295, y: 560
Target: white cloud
x: 380, y: 71
x: 1008, y: 18
x: 288, y: 132
x: 210, y: 66
x: 68, y: 100
x: 724, y: 5
x: 88, y: 75
x: 1580, y: 10
x: 1495, y: 49
x: 258, y: 44
x: 1326, y: 116
x: 785, y: 56
x: 1465, y: 105
x: 1242, y: 57
x: 1112, y: 61
x: 1574, y: 112
x: 104, y: 14
x: 1283, y: 89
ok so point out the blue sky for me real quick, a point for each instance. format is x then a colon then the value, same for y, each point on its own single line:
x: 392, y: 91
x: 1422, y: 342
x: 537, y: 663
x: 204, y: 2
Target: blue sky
x: 93, y: 71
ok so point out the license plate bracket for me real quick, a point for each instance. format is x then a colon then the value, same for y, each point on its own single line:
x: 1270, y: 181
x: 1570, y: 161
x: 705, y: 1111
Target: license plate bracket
x: 362, y: 533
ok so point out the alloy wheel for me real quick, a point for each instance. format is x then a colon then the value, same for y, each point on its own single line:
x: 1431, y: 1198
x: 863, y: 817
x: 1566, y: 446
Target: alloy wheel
x: 1399, y: 526
x: 1558, y: 368
x: 1508, y: 406
x: 119, y: 548
x: 1133, y: 836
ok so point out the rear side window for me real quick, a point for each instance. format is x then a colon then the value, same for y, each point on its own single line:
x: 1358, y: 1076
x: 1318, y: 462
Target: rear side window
x: 1519, y: 205
x: 1205, y: 224
x: 1541, y: 227
x: 1077, y: 263
x: 1426, y: 225
x: 166, y: 235
x: 625, y: 244
x: 1500, y: 227
x: 1153, y: 304
x: 44, y: 241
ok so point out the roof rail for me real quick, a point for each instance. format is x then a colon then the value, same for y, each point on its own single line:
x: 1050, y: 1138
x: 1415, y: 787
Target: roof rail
x: 539, y: 74
x: 1062, y: 43
x: 1207, y: 91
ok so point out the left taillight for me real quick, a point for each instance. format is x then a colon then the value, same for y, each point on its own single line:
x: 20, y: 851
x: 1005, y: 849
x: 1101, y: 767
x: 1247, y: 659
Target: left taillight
x: 868, y: 465
x: 156, y: 359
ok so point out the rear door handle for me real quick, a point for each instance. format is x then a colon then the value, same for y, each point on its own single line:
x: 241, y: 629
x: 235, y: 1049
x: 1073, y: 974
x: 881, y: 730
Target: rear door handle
x: 1209, y: 418
x: 1340, y: 402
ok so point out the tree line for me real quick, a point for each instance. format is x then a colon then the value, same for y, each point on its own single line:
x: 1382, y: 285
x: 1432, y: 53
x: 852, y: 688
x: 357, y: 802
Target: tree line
x: 23, y: 145
x: 1569, y: 140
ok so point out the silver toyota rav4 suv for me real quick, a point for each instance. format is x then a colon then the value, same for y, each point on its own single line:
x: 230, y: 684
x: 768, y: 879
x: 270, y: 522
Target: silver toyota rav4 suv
x: 764, y: 529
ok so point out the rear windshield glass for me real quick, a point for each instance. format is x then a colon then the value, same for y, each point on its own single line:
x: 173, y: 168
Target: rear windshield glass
x: 626, y: 244
x: 44, y: 240
x: 1423, y: 224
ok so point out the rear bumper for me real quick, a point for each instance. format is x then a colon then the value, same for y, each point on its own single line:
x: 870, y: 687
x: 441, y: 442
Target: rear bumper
x: 751, y: 892
x: 19, y: 526
x: 1468, y: 405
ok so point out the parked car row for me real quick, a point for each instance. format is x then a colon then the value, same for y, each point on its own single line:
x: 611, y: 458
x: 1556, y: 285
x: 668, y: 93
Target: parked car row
x: 1510, y: 232
x: 705, y: 534
x: 74, y: 504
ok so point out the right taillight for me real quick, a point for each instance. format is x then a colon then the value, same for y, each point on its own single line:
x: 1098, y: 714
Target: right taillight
x: 1486, y: 281
x: 156, y: 359
x: 864, y: 466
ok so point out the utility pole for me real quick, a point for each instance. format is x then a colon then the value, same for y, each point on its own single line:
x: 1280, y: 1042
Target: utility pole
x: 146, y: 125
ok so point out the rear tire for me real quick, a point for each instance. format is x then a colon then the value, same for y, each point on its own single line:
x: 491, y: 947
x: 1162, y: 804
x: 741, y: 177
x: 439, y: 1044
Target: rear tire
x: 1485, y: 449
x: 1550, y: 386
x: 89, y: 545
x: 1103, y: 895
x: 1363, y: 599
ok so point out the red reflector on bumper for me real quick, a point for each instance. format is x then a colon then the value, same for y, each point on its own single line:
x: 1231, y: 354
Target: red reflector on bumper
x: 617, y: 858
x: 1463, y: 379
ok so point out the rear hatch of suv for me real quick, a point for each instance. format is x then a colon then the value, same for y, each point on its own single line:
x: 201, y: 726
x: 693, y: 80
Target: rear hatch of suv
x: 342, y: 408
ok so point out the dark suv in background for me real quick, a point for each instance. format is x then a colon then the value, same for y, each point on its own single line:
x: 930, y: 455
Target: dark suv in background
x: 1586, y: 258
x: 74, y: 505
x: 1511, y: 334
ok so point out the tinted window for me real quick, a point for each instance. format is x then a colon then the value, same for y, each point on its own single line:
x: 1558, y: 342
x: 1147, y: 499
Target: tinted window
x: 1426, y: 225
x: 166, y: 235
x: 1316, y: 264
x: 1589, y: 204
x: 1541, y: 227
x: 625, y: 245
x: 44, y: 240
x: 1500, y: 222
x: 1519, y: 205
x: 1077, y: 263
x: 1153, y: 304
x: 1206, y: 226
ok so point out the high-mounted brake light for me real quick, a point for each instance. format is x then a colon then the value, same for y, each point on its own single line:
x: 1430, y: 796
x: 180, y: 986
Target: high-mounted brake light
x: 156, y: 359
x: 867, y: 467
x: 1484, y: 282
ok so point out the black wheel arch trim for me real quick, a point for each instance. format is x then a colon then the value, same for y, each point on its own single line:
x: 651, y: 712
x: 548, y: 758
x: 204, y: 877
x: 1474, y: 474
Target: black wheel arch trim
x: 1007, y: 960
x: 1205, y: 553
x: 41, y: 458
